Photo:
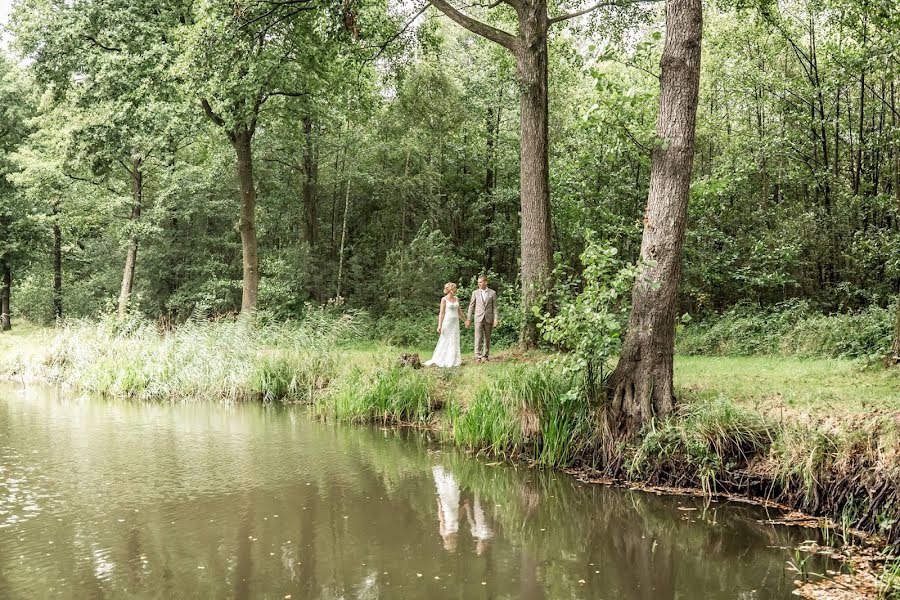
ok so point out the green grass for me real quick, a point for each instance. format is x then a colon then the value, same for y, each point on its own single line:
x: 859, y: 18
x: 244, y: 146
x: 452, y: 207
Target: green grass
x: 797, y: 383
x: 389, y: 395
x: 143, y: 363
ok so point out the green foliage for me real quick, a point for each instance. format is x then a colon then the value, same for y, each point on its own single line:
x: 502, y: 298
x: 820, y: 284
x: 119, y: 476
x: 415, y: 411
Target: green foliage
x: 414, y: 274
x: 419, y: 142
x: 591, y: 307
x: 791, y: 329
x: 393, y: 395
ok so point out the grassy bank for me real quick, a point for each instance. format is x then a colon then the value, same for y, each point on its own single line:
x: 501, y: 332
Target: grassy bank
x: 819, y: 435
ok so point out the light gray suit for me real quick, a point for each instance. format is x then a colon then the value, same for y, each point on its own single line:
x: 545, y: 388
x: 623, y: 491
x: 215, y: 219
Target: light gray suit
x: 485, y: 308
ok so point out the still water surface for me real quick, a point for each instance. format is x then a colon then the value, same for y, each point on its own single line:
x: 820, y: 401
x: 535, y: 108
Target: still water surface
x: 119, y: 500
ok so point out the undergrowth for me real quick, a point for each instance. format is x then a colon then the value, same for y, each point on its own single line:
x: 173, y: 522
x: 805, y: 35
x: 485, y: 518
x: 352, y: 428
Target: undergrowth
x: 791, y: 329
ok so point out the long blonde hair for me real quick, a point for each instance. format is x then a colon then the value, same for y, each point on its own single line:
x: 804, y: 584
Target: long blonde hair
x: 450, y: 286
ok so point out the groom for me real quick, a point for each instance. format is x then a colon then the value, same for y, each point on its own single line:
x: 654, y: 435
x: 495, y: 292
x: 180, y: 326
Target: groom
x: 484, y: 303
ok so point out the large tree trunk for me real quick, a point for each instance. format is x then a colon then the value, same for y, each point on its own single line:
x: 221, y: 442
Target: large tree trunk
x: 57, y: 262
x: 242, y: 141
x: 5, y: 293
x: 534, y: 170
x: 641, y: 386
x: 137, y: 191
x: 310, y: 182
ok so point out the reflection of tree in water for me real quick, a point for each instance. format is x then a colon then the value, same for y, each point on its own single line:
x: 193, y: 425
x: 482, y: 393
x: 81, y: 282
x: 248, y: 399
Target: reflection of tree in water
x: 243, y: 560
x: 642, y: 544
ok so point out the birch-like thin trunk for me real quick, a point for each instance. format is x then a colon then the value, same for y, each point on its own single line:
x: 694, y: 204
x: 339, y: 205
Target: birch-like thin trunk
x: 343, y: 240
x: 5, y: 294
x: 56, y: 257
x: 137, y: 192
x: 310, y: 182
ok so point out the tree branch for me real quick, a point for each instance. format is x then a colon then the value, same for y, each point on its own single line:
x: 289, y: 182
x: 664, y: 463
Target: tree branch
x: 98, y: 184
x: 211, y: 114
x: 475, y: 26
x: 383, y: 46
x: 288, y: 94
x: 593, y: 7
x: 216, y: 118
x: 97, y: 43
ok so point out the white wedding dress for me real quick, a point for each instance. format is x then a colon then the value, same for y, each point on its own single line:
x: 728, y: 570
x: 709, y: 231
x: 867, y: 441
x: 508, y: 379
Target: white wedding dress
x: 447, y: 353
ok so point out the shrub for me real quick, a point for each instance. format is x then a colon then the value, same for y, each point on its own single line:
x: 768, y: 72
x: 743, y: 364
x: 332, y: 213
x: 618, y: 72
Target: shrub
x: 590, y: 312
x: 791, y: 329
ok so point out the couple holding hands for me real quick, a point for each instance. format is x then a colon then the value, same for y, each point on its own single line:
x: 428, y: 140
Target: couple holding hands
x: 484, y: 306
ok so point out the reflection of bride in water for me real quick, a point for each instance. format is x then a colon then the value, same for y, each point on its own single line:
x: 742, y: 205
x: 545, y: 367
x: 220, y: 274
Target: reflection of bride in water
x: 448, y: 512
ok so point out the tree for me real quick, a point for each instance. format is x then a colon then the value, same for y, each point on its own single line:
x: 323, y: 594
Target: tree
x: 529, y: 47
x: 109, y: 63
x: 641, y: 386
x: 237, y: 59
x: 15, y: 110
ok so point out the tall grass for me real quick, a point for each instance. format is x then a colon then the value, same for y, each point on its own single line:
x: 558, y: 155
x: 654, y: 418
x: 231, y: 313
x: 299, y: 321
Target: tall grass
x: 226, y: 360
x: 386, y: 395
x: 700, y: 441
x: 531, y: 410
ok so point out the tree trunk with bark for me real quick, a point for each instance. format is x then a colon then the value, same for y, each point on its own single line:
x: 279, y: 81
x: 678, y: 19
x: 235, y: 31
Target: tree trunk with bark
x: 5, y: 294
x: 242, y: 141
x: 641, y: 386
x: 310, y: 182
x: 241, y: 137
x: 56, y: 256
x: 534, y: 169
x: 894, y: 358
x: 340, y: 274
x: 529, y: 47
x: 137, y: 192
x: 490, y: 177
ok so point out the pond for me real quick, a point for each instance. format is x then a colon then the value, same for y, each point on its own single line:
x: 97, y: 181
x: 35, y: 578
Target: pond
x: 104, y: 499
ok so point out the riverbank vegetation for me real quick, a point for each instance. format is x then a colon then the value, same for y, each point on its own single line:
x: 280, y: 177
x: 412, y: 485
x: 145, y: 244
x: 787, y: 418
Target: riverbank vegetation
x: 742, y: 426
x: 259, y: 190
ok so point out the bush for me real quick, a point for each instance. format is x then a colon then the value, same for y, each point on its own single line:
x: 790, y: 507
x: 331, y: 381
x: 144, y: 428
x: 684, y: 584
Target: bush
x: 791, y: 329
x: 591, y: 310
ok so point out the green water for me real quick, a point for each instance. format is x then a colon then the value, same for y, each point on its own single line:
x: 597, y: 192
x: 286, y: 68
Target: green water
x: 117, y: 500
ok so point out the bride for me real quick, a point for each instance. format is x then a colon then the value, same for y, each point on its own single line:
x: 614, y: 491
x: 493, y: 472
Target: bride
x: 447, y: 354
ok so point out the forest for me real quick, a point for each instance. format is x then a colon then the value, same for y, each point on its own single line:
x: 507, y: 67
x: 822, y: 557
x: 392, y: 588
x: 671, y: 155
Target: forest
x: 689, y: 211
x: 372, y: 153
